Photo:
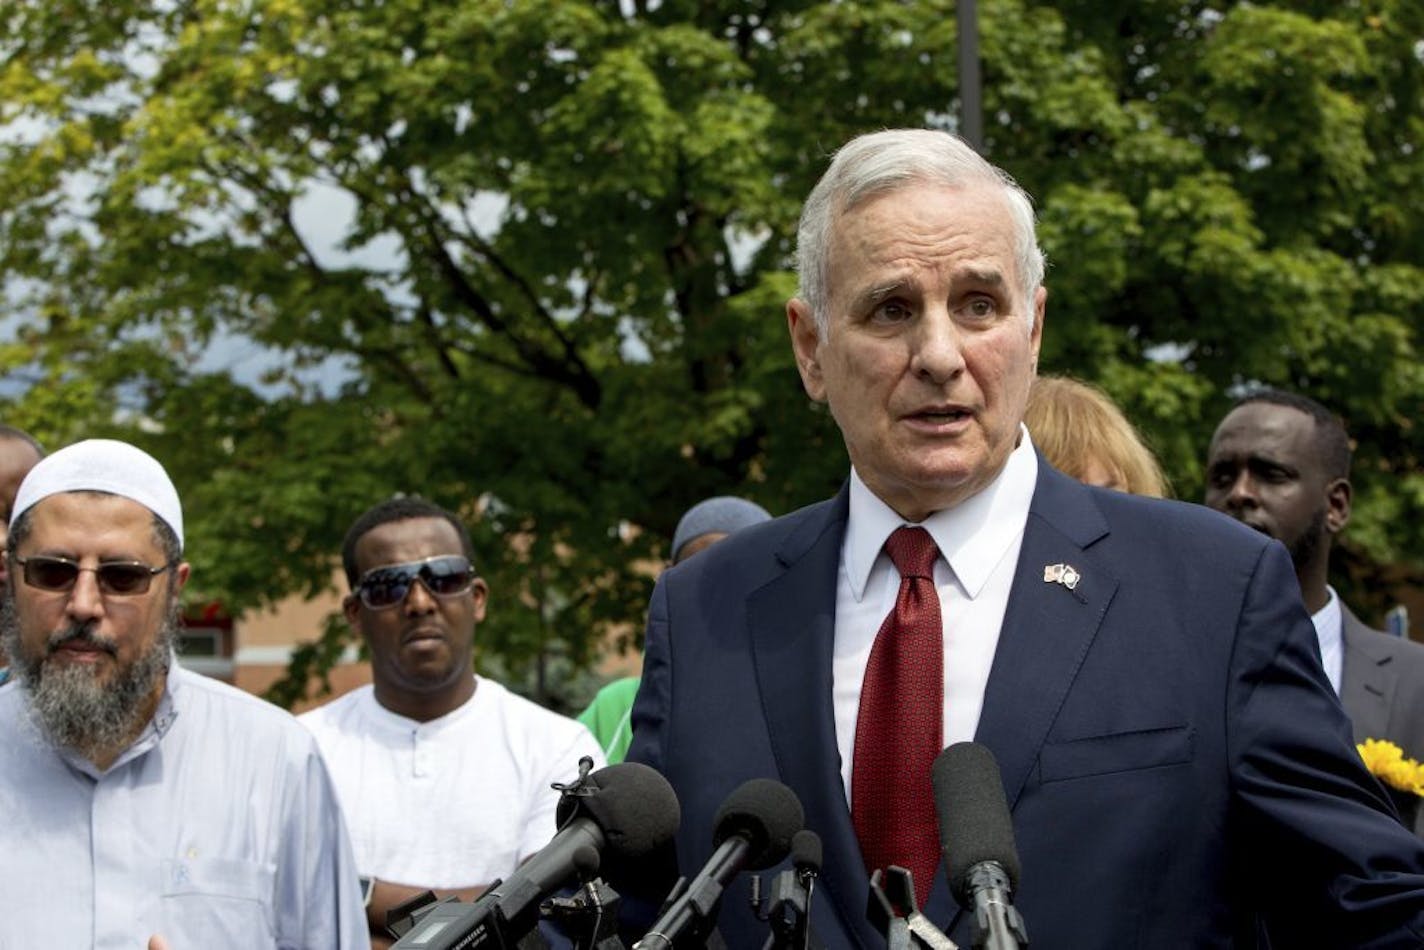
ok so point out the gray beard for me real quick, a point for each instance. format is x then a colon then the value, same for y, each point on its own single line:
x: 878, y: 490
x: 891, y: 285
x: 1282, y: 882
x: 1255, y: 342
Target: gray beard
x: 68, y: 703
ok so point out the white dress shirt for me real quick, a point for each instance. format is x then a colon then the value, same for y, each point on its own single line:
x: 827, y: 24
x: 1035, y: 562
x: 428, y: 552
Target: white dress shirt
x: 979, y: 541
x: 217, y: 828
x: 1329, y: 630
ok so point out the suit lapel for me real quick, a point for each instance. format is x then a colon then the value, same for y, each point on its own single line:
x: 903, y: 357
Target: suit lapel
x: 792, y: 650
x: 1048, y: 626
x: 1367, y: 682
x: 1047, y: 630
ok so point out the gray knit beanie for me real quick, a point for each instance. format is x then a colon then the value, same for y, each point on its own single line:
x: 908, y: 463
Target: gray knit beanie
x: 723, y: 515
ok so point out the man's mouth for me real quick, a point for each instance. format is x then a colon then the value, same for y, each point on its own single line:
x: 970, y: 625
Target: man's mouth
x: 422, y: 635
x: 940, y: 415
x: 83, y: 643
x: 1255, y: 526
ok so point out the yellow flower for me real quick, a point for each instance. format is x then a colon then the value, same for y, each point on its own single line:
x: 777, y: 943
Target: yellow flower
x: 1386, y: 761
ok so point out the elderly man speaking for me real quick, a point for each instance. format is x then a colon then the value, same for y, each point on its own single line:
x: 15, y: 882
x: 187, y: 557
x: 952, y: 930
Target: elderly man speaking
x: 141, y: 800
x: 1178, y: 768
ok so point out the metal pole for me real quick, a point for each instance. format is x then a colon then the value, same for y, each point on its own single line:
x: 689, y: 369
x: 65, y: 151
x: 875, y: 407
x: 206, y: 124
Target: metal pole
x: 971, y: 95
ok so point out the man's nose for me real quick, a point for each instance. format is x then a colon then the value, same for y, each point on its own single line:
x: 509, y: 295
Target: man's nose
x: 1243, y: 491
x: 418, y: 600
x: 938, y: 346
x: 86, y: 601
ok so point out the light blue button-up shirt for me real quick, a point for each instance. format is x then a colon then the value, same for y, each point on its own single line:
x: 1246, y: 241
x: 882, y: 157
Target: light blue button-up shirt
x: 217, y: 828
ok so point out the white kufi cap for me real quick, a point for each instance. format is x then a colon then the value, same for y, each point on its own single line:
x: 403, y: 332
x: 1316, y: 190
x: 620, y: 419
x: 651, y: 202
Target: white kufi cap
x: 103, y: 465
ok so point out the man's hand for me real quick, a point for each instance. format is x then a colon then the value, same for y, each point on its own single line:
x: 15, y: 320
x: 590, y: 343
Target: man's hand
x: 157, y: 943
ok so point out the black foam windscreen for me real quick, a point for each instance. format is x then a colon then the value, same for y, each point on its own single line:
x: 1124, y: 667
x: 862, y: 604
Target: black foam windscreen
x: 632, y: 804
x: 974, y: 823
x: 806, y: 850
x: 767, y: 814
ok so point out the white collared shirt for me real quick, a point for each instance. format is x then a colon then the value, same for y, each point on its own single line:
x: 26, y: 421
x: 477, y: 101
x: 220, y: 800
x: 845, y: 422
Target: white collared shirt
x: 456, y: 801
x: 1329, y: 630
x: 979, y: 541
x: 217, y: 827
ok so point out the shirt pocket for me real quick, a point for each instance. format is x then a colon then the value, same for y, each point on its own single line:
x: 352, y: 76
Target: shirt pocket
x: 214, y: 902
x: 1115, y: 753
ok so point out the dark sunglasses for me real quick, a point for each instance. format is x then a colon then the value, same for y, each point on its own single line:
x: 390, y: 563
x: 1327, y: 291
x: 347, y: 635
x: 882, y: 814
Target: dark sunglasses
x: 61, y: 574
x: 446, y: 576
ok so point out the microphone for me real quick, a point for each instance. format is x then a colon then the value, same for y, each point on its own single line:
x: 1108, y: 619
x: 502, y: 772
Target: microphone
x: 621, y: 813
x: 789, y: 905
x: 977, y: 838
x: 806, y: 860
x: 806, y: 853
x: 632, y: 807
x: 754, y: 829
x: 614, y: 817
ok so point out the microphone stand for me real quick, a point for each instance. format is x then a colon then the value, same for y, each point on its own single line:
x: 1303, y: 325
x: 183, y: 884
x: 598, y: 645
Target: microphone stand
x: 893, y: 910
x: 788, y: 909
x: 997, y: 923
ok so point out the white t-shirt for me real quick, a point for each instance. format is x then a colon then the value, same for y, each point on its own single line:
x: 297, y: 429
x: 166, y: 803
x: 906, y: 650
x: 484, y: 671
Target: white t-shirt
x: 453, y: 802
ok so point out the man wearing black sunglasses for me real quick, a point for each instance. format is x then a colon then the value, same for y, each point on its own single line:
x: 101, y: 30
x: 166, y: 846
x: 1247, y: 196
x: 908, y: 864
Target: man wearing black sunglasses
x: 444, y: 775
x: 151, y: 801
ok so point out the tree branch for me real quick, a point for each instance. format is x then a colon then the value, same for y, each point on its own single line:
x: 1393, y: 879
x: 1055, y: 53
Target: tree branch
x: 576, y: 377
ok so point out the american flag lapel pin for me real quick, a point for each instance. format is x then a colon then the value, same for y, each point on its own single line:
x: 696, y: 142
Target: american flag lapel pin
x: 1065, y: 574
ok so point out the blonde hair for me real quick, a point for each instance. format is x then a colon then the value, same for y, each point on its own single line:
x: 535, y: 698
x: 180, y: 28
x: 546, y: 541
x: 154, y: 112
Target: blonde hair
x: 1075, y: 425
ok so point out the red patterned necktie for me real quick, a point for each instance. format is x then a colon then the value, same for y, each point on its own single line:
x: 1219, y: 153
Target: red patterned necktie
x: 898, y: 732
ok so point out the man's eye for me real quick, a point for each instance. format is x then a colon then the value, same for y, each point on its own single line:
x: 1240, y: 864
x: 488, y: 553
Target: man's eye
x: 981, y: 307
x: 892, y: 311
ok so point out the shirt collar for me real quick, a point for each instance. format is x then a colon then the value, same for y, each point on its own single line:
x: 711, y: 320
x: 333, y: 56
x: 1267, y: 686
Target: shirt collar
x: 972, y: 536
x: 395, y: 724
x: 1329, y: 622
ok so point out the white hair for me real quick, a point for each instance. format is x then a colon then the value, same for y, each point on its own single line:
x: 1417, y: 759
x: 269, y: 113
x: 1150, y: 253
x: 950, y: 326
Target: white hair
x: 880, y: 162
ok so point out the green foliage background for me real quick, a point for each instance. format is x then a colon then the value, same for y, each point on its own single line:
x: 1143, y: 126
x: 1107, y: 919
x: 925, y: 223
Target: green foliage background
x: 586, y: 210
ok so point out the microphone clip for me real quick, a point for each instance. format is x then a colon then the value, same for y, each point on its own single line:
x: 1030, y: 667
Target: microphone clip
x: 580, y: 787
x: 589, y: 918
x: 893, y: 910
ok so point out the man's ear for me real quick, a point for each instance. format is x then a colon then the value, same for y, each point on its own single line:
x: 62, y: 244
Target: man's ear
x: 806, y: 344
x: 1337, y: 505
x: 479, y: 591
x: 1040, y: 307
x: 351, y: 607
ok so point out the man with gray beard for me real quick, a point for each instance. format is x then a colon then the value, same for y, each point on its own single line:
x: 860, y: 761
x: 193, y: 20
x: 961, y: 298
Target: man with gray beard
x: 147, y: 802
x: 73, y: 706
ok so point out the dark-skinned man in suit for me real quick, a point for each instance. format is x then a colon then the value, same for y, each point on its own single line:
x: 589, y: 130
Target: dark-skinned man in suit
x: 1279, y: 462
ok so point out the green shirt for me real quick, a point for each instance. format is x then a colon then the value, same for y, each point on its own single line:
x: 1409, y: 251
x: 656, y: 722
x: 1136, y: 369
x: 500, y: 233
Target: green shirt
x: 608, y: 717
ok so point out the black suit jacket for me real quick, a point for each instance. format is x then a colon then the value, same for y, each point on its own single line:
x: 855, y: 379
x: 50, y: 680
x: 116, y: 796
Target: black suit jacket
x: 1174, y: 758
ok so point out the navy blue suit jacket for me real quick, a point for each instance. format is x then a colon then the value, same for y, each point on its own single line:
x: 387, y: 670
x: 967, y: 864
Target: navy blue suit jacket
x: 1174, y: 758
